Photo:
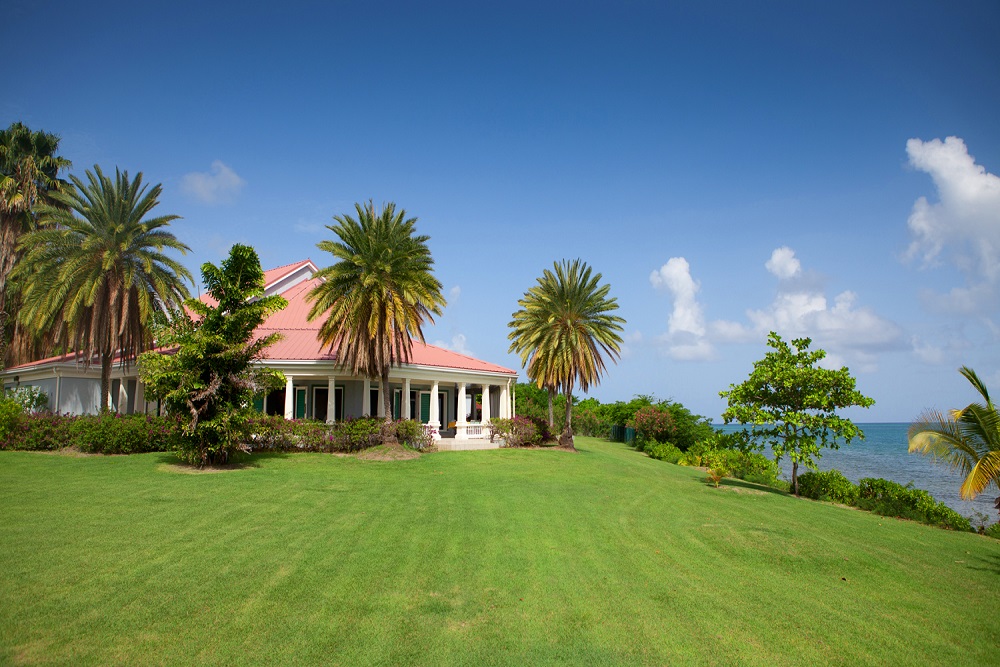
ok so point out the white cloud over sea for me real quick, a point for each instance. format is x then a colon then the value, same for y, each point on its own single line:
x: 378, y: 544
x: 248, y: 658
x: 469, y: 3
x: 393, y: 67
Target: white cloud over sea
x: 961, y: 229
x: 219, y: 185
x: 849, y: 332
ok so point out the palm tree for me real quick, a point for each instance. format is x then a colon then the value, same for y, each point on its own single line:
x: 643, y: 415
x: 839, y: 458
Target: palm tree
x: 967, y: 439
x: 378, y: 294
x: 98, y: 264
x: 28, y: 174
x: 563, y: 328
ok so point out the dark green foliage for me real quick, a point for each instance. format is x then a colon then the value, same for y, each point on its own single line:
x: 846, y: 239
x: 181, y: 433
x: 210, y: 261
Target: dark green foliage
x: 11, y: 413
x: 891, y: 499
x: 308, y: 435
x: 992, y: 531
x: 588, y: 419
x: 211, y: 379
x: 830, y: 486
x: 516, y: 432
x: 94, y: 434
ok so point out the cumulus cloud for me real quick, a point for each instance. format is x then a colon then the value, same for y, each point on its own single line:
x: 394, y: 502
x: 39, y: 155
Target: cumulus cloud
x: 453, y: 294
x: 219, y: 185
x: 801, y: 308
x: 458, y: 343
x: 783, y: 263
x: 963, y: 227
x: 685, y: 337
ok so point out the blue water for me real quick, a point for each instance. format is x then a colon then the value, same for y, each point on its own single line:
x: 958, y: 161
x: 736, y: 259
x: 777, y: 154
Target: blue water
x: 883, y: 453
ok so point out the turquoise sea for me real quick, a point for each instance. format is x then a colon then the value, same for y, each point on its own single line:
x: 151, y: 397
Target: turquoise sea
x: 883, y: 454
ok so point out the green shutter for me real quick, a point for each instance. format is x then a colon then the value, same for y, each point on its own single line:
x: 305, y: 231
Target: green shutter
x: 395, y: 404
x: 425, y: 408
x: 300, y: 403
x: 258, y: 403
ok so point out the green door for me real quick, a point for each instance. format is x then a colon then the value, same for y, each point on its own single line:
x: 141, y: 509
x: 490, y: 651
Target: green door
x: 300, y: 403
x: 425, y: 408
x: 258, y: 403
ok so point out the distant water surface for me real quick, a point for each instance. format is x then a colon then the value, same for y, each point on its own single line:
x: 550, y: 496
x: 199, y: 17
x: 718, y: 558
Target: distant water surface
x: 883, y: 453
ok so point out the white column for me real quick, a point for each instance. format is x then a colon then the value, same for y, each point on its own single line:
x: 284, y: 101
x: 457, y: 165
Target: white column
x: 406, y: 399
x: 140, y: 397
x: 289, y: 398
x: 380, y: 409
x: 486, y: 404
x: 504, y: 402
x: 366, y: 398
x: 435, y: 420
x: 460, y: 417
x: 122, y: 396
x: 331, y: 400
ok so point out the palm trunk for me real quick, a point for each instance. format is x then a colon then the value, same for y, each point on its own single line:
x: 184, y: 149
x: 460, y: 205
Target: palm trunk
x: 552, y: 416
x: 386, y: 397
x: 8, y: 250
x: 106, y: 360
x: 566, y: 439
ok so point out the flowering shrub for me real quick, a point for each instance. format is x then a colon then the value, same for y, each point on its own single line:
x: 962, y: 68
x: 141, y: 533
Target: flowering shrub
x: 101, y: 434
x: 515, y: 432
x: 413, y: 434
x: 652, y: 424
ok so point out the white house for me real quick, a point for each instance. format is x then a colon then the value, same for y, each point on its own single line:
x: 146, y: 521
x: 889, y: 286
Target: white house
x: 439, y: 387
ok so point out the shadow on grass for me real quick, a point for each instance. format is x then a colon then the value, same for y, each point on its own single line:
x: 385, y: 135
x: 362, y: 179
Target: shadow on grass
x: 989, y: 564
x: 734, y: 483
x: 170, y: 462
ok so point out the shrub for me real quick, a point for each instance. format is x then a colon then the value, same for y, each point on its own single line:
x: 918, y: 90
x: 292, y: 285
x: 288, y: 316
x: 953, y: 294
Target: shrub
x: 831, y: 486
x: 993, y: 531
x: 352, y: 435
x: 11, y: 414
x: 516, y: 432
x: 413, y: 434
x: 42, y: 432
x: 588, y: 419
x: 664, y: 451
x: 124, y: 434
x: 31, y: 399
x: 887, y: 498
x: 652, y: 424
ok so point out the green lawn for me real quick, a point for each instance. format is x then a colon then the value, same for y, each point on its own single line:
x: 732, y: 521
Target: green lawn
x: 495, y: 557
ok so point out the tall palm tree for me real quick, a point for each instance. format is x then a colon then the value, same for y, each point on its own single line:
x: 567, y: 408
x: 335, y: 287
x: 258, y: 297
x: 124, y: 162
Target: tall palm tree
x: 29, y: 169
x: 967, y: 439
x: 98, y: 263
x: 378, y: 294
x: 564, y: 329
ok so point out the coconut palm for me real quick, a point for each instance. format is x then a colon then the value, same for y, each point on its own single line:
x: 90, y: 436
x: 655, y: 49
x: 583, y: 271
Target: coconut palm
x: 28, y: 173
x: 564, y: 329
x: 378, y: 294
x: 967, y: 439
x: 98, y: 263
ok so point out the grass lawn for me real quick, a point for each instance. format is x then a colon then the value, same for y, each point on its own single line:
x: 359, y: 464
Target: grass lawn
x: 491, y: 557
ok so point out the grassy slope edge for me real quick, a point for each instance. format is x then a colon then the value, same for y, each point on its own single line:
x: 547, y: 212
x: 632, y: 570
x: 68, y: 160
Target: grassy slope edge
x: 493, y: 557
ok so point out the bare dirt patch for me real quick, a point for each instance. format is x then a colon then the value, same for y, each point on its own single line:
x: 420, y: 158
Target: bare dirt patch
x: 388, y: 452
x: 185, y: 469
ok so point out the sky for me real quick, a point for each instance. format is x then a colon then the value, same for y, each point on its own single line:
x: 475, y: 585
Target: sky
x: 823, y: 170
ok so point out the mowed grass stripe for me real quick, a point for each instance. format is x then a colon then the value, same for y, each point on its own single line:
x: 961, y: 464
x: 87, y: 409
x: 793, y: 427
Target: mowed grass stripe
x: 494, y: 557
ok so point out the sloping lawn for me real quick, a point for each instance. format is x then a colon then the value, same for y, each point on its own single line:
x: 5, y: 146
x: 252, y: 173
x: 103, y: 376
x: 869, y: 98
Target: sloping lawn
x: 492, y: 557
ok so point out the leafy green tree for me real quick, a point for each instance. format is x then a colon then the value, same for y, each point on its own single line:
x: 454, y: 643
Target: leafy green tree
x: 563, y: 330
x: 792, y: 404
x: 967, y: 439
x: 29, y: 169
x: 210, y: 376
x: 98, y: 264
x: 378, y: 294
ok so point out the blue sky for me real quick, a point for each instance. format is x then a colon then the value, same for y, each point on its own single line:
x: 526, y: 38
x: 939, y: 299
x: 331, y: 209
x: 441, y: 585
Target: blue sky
x: 729, y: 169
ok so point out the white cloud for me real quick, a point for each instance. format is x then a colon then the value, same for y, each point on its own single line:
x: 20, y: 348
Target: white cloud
x: 220, y: 185
x: 926, y: 352
x: 846, y: 330
x: 685, y: 337
x: 459, y: 343
x: 963, y: 226
x: 783, y: 263
x: 453, y: 294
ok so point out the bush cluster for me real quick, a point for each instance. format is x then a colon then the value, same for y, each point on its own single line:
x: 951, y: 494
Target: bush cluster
x: 516, y: 432
x: 413, y: 434
x: 96, y: 434
x: 830, y: 486
x: 891, y: 499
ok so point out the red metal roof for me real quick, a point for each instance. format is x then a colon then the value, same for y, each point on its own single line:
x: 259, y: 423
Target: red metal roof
x: 299, y: 342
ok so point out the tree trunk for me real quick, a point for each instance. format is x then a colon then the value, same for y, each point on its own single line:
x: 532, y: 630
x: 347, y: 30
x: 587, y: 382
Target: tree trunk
x: 552, y: 416
x: 566, y: 439
x: 569, y: 409
x: 8, y: 250
x: 795, y: 477
x: 106, y: 360
x: 388, y: 430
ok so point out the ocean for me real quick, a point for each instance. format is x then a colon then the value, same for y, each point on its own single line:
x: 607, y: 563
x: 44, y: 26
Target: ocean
x: 883, y: 453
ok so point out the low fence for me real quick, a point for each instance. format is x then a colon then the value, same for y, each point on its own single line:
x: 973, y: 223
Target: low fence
x: 624, y: 434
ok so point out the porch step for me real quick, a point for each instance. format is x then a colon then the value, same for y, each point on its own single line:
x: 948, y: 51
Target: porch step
x: 453, y: 445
